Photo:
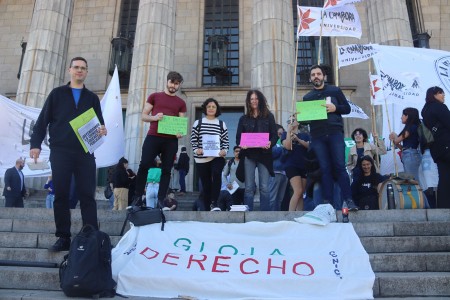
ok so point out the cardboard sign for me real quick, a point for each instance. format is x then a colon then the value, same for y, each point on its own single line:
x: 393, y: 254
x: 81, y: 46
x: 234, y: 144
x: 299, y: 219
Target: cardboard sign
x: 311, y: 110
x: 254, y: 140
x: 173, y: 125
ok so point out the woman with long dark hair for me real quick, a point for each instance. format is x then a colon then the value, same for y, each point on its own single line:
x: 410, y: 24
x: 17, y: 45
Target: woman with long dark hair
x: 121, y: 183
x: 210, y: 167
x: 257, y: 119
x: 436, y: 117
x: 408, y: 142
x: 366, y: 187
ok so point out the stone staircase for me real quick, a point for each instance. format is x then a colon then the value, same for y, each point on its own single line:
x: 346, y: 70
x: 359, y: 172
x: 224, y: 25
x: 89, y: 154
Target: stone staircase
x: 409, y: 250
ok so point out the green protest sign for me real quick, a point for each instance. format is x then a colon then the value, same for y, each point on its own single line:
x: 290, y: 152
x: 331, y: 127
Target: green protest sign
x: 173, y: 125
x: 311, y: 110
x: 349, y: 143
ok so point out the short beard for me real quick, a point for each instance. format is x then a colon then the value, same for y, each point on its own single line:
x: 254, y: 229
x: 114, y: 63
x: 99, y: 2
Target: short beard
x: 318, y: 83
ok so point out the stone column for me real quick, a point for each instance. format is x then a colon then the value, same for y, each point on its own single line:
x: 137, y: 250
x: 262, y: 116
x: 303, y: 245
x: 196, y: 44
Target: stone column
x: 389, y: 23
x: 45, y: 57
x: 153, y: 58
x: 273, y: 54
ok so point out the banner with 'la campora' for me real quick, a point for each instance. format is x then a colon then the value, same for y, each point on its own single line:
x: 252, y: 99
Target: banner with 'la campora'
x: 280, y: 260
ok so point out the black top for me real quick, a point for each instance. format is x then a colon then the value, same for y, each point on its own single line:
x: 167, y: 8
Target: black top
x: 333, y: 124
x: 436, y: 117
x: 253, y: 125
x: 183, y: 162
x: 366, y: 185
x: 59, y: 109
x: 412, y: 141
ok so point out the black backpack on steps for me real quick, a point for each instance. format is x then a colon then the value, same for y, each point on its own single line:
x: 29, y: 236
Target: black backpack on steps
x: 86, y: 269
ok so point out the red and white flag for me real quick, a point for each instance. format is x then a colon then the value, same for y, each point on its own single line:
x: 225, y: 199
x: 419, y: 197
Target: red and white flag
x: 337, y: 3
x: 376, y: 90
x: 337, y: 21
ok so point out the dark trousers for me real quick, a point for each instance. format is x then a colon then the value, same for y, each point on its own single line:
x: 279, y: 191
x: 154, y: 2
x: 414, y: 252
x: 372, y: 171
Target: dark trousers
x: 82, y: 166
x: 152, y: 147
x: 210, y: 174
x: 443, y: 190
x: 182, y: 174
x: 13, y: 201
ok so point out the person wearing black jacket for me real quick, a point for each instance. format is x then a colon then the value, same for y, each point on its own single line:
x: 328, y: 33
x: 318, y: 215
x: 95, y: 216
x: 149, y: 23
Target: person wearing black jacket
x: 258, y: 119
x: 436, y: 117
x: 183, y: 170
x: 67, y: 155
x: 327, y: 136
x: 121, y: 180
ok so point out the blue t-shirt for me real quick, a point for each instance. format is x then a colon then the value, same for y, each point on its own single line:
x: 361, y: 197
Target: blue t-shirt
x: 296, y: 157
x: 413, y: 139
x: 76, y: 95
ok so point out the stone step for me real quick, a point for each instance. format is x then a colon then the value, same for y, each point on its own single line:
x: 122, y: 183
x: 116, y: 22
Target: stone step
x: 380, y: 262
x: 8, y: 294
x: 387, y: 284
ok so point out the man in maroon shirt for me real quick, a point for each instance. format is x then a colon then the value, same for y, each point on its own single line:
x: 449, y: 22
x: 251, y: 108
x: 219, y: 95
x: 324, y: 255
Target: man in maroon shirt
x: 158, y: 105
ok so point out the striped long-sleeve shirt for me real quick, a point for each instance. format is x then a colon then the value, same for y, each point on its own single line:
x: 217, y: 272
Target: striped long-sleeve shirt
x: 210, y: 127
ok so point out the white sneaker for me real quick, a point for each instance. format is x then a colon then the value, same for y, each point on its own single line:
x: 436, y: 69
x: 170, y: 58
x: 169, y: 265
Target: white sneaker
x: 216, y: 209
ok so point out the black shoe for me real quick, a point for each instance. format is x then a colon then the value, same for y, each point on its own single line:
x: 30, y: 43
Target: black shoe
x: 62, y: 244
x: 352, y: 206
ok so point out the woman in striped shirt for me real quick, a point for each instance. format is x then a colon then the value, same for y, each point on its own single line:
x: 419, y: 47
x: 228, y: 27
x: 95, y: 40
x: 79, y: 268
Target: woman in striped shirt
x: 209, y: 141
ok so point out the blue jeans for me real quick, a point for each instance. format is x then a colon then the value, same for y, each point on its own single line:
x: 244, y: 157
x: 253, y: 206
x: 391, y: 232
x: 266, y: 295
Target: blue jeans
x: 250, y: 185
x: 330, y: 151
x: 182, y: 174
x: 151, y: 195
x: 277, y: 189
x: 411, y: 159
x: 49, y: 201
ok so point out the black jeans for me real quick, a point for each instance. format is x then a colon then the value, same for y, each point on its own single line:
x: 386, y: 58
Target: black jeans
x: 443, y: 190
x: 152, y: 147
x: 210, y: 174
x: 82, y: 166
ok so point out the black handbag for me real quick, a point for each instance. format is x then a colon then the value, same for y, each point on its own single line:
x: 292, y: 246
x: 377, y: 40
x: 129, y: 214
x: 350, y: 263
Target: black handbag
x: 108, y: 192
x: 141, y: 215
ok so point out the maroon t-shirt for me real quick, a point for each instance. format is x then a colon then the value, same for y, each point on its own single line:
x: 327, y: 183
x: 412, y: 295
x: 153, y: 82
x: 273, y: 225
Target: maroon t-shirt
x: 168, y: 105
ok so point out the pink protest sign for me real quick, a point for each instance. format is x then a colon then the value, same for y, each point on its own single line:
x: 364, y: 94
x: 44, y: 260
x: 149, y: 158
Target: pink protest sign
x: 254, y: 140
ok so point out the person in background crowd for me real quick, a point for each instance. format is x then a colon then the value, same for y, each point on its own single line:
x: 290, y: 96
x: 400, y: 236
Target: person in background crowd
x: 363, y: 147
x: 183, y: 170
x: 121, y: 184
x: 327, y: 136
x: 170, y: 203
x: 153, y: 178
x: 51, y: 192
x: 109, y: 181
x: 366, y: 187
x: 408, y: 142
x: 297, y: 143
x: 158, y: 105
x: 257, y: 119
x: 436, y: 116
x: 67, y: 155
x: 15, y: 190
x: 278, y: 183
x: 229, y: 173
x: 210, y: 167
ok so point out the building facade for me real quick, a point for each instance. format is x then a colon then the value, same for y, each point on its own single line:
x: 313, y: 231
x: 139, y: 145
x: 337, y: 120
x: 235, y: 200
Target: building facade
x: 222, y: 48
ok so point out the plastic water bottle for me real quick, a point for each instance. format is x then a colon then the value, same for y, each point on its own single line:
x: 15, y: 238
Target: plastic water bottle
x: 390, y: 196
x: 345, y: 212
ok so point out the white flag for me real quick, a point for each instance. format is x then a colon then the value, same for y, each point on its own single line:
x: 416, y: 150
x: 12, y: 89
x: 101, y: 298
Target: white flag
x: 113, y: 148
x: 337, y: 3
x: 355, y: 53
x: 356, y: 112
x: 337, y: 21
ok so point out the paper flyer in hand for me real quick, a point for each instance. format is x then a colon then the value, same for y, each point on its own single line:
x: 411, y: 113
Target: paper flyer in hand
x: 210, y: 145
x: 235, y: 186
x: 40, y: 165
x: 86, y: 128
